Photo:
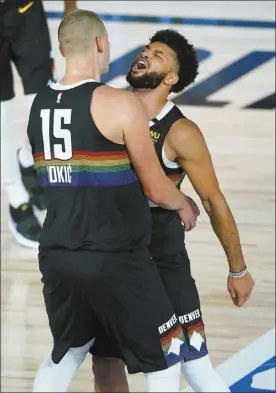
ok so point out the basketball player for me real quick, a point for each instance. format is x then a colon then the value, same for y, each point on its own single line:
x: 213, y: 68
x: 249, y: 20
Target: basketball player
x: 25, y: 41
x: 93, y: 252
x: 168, y: 64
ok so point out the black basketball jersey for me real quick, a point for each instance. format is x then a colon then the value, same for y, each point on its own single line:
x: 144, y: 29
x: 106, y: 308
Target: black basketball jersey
x: 95, y: 200
x: 159, y: 128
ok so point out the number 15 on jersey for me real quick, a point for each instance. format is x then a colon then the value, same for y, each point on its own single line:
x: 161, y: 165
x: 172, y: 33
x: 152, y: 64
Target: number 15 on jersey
x: 57, y: 174
x: 61, y: 151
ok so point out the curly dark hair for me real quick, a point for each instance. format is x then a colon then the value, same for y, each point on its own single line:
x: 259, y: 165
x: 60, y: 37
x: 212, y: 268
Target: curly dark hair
x: 186, y: 56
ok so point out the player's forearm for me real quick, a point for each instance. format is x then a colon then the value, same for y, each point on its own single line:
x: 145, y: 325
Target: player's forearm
x: 225, y: 228
x: 173, y: 202
x: 165, y: 194
x: 69, y: 6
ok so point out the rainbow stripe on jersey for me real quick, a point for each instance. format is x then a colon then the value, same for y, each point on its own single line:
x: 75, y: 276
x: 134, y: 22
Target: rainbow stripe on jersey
x: 86, y: 169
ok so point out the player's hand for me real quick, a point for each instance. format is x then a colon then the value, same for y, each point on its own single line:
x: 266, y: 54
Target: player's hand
x: 188, y: 214
x: 193, y: 205
x: 240, y: 288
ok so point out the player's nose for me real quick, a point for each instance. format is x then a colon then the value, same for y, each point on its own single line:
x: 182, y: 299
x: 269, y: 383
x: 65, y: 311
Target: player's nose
x: 146, y: 54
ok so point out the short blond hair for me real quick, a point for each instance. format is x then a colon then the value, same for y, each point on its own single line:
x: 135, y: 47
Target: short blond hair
x: 76, y: 31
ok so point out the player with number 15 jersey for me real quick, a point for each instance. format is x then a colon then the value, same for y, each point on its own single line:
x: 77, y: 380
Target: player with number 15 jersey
x: 93, y: 251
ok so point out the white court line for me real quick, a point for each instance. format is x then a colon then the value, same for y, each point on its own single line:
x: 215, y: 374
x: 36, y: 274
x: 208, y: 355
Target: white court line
x: 246, y: 360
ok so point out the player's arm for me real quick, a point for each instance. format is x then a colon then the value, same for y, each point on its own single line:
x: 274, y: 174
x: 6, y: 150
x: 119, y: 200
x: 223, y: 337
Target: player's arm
x: 69, y: 6
x: 157, y: 186
x: 189, y: 145
x: 192, y: 153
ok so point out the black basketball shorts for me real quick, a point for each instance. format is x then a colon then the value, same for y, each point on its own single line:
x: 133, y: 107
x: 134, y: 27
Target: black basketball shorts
x: 25, y: 41
x: 169, y: 254
x: 121, y: 292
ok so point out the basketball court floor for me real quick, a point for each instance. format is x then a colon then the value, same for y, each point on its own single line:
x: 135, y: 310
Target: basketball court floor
x: 233, y: 102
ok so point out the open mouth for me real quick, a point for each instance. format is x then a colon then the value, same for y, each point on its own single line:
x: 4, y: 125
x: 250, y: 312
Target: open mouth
x: 140, y: 64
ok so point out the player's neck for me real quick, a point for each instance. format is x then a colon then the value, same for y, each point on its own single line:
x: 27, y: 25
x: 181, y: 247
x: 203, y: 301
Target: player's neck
x: 153, y: 101
x: 78, y: 70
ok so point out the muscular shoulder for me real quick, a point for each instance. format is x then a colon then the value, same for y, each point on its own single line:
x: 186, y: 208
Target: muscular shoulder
x: 118, y: 98
x: 185, y: 137
x: 115, y: 112
x: 184, y: 130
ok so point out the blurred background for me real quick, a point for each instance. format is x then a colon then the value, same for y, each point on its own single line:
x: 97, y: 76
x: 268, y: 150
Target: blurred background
x: 233, y: 102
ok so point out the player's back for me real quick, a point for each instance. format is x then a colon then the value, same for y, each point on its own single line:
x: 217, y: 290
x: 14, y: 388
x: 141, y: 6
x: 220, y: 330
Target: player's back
x: 95, y: 200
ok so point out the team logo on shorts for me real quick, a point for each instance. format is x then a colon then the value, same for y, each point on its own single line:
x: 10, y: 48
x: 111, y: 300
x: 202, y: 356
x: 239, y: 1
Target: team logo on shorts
x: 176, y: 347
x: 173, y: 341
x: 197, y: 341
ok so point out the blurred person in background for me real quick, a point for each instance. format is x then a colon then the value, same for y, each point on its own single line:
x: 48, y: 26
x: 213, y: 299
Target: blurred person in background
x: 25, y: 42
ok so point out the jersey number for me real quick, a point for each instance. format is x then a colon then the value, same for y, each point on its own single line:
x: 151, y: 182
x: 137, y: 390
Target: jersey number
x: 61, y: 151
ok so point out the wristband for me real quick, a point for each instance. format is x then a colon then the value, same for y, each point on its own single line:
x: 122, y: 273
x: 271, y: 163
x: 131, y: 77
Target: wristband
x: 238, y: 274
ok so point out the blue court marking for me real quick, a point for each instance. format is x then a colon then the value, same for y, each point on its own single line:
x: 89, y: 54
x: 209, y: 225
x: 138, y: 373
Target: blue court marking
x: 198, y: 94
x: 245, y: 384
x: 268, y: 102
x: 178, y: 21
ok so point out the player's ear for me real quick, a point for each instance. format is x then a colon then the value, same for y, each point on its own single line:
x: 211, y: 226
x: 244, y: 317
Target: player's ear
x: 100, y: 44
x: 171, y: 79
